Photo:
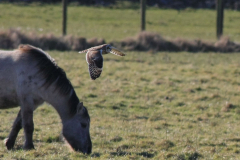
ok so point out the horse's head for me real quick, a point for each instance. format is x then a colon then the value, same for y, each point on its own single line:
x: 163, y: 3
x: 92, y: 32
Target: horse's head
x: 76, y: 131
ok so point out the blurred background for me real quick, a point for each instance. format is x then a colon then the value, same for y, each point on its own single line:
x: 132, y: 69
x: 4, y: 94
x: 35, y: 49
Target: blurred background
x: 157, y: 25
x: 176, y: 4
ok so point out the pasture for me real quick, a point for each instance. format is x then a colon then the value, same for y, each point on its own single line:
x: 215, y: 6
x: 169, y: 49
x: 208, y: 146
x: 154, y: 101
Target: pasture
x: 145, y: 105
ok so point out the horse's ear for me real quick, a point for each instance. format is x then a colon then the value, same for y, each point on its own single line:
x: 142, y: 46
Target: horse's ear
x: 80, y: 107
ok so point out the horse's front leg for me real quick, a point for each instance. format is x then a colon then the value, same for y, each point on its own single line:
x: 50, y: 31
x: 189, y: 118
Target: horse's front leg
x: 17, y: 125
x: 27, y: 123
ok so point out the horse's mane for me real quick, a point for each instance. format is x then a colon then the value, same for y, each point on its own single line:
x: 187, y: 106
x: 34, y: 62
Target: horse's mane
x: 49, y: 69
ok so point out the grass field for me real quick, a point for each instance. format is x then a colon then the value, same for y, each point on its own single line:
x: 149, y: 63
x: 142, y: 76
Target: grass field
x: 116, y: 24
x: 159, y: 106
x: 145, y: 105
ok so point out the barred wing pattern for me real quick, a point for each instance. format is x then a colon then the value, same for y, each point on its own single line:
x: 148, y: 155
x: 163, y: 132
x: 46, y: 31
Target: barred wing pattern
x: 92, y: 49
x: 95, y: 63
x: 94, y: 71
x: 116, y: 52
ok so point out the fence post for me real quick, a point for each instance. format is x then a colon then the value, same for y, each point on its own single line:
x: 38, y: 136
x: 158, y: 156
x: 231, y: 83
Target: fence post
x: 220, y: 15
x: 143, y: 14
x: 64, y: 20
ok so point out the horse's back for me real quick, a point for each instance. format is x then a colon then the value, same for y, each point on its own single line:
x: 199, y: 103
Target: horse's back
x: 16, y: 76
x: 17, y: 65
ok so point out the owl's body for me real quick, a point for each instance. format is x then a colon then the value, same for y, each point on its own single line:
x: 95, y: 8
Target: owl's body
x: 94, y: 58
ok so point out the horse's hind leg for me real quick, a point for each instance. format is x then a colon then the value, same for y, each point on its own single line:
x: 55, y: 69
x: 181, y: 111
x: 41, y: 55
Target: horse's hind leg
x: 27, y: 123
x: 17, y: 125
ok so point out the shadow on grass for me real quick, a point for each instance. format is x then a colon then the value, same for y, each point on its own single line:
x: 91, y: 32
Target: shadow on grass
x: 123, y: 153
x: 2, y: 137
x: 95, y: 155
x: 17, y: 147
x: 191, y: 156
x: 146, y: 154
x: 51, y: 139
x: 120, y: 153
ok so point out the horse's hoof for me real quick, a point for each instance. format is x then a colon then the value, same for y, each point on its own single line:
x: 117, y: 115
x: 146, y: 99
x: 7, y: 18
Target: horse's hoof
x: 8, y: 143
x: 28, y: 147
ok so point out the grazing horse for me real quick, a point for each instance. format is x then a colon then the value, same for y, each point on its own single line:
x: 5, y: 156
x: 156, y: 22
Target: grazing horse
x: 29, y: 77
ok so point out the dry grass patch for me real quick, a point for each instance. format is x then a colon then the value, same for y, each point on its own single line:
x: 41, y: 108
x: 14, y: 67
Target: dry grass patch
x: 144, y: 41
x: 154, y: 42
x: 165, y: 144
x: 12, y: 38
x: 227, y: 107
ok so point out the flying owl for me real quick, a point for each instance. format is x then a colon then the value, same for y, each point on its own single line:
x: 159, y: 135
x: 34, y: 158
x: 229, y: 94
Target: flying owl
x: 94, y: 58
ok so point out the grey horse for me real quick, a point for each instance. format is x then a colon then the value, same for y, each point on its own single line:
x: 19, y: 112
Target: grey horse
x: 29, y: 77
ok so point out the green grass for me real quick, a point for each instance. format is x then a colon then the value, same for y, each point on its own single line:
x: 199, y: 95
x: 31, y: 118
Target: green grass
x: 159, y: 106
x: 144, y: 105
x: 117, y: 24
